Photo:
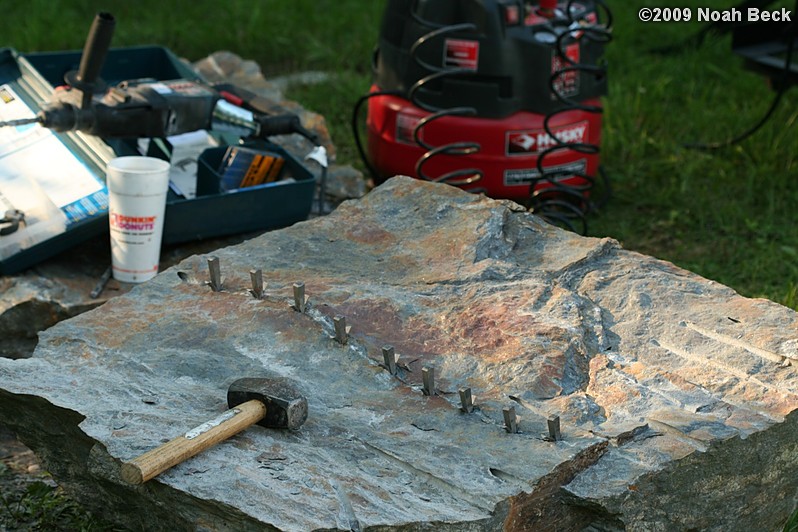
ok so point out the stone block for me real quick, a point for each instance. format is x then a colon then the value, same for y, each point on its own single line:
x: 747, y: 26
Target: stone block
x: 676, y: 396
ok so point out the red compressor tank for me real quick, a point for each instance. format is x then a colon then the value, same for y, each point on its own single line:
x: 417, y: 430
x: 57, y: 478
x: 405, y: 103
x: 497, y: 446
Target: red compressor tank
x: 493, y: 96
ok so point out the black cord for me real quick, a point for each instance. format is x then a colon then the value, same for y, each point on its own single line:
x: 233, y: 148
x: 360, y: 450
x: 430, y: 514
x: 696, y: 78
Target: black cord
x: 782, y: 89
x: 710, y: 146
x: 356, y: 130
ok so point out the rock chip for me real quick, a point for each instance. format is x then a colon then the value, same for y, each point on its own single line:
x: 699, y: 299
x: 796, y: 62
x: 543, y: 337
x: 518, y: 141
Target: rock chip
x: 57, y: 289
x: 676, y: 407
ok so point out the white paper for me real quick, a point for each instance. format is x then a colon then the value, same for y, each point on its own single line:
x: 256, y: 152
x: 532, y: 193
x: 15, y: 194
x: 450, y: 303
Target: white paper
x: 42, y: 178
x: 186, y: 149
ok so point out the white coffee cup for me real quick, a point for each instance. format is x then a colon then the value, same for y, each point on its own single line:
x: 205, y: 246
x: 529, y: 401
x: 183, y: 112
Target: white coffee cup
x: 137, y: 188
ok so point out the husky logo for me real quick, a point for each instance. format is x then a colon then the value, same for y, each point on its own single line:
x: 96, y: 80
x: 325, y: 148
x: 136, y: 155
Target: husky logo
x: 532, y: 142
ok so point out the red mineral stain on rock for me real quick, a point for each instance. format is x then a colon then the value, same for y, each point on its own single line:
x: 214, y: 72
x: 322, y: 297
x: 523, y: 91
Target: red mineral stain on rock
x: 370, y: 233
x: 377, y: 323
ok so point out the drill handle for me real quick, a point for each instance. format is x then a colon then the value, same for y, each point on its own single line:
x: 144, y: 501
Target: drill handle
x: 93, y: 58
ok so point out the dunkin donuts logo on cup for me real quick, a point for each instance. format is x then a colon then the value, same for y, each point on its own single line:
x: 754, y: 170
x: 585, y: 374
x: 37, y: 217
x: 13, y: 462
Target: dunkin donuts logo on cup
x: 137, y: 224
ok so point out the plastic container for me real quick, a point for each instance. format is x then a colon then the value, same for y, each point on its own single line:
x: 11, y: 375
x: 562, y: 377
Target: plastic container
x: 267, y: 206
x: 212, y: 213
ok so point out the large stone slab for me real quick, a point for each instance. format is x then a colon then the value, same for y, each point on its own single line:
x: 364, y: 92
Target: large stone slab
x: 676, y: 396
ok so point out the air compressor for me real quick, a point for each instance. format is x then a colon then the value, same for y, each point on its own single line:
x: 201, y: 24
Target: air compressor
x: 500, y: 97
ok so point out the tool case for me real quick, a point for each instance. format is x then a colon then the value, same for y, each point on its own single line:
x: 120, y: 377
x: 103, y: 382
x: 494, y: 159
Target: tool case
x: 213, y: 212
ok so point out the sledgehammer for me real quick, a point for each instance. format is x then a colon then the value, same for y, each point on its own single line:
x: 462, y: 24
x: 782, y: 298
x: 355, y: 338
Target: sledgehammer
x: 273, y: 403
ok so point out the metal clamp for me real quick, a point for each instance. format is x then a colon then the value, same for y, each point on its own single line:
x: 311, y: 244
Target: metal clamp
x: 13, y: 217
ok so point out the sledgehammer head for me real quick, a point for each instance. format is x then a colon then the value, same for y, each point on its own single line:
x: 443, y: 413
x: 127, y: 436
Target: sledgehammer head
x: 286, y: 408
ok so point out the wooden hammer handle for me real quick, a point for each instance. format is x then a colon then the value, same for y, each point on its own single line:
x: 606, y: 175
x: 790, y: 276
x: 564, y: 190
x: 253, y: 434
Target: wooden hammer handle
x: 158, y: 460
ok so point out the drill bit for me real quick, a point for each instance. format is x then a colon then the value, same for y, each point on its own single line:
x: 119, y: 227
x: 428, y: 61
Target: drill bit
x: 20, y: 122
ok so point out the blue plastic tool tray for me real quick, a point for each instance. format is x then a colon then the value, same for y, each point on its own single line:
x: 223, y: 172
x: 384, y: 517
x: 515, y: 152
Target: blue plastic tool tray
x: 211, y: 213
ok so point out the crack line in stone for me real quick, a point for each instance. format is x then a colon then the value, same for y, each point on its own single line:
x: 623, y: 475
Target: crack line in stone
x: 666, y: 395
x: 740, y: 374
x: 457, y: 492
x: 727, y: 401
x: 699, y: 361
x: 570, y: 273
x: 504, y: 476
x: 529, y: 406
x: 734, y: 342
x: 719, y: 399
x: 679, y: 434
x: 347, y: 512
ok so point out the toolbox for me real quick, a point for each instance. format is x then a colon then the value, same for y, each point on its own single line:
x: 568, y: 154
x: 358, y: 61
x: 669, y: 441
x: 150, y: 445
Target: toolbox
x: 212, y: 212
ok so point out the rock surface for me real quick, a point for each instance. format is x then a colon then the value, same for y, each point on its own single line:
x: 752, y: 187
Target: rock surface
x: 676, y: 396
x: 61, y: 287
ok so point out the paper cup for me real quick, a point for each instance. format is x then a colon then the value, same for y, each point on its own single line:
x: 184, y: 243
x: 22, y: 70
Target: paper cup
x: 137, y: 189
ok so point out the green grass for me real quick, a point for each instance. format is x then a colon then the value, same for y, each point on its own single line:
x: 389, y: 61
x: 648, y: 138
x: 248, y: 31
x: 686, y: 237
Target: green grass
x: 728, y: 215
x: 792, y: 523
x: 281, y: 36
x: 41, y: 506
